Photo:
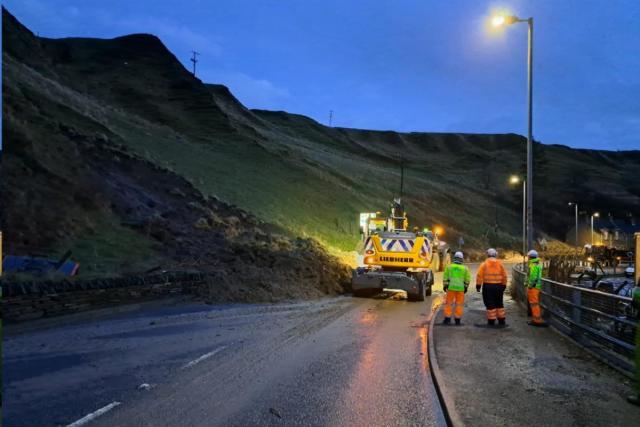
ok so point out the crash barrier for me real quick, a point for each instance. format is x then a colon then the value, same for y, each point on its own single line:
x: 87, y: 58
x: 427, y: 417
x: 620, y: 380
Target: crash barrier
x: 603, y: 323
x: 32, y: 300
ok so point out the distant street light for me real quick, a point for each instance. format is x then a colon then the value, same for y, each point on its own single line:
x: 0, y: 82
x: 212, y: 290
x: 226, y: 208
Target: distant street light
x: 514, y: 180
x: 499, y: 21
x: 596, y: 215
x: 576, y: 206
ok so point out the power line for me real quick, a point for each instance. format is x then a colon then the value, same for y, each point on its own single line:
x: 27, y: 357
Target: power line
x: 194, y: 59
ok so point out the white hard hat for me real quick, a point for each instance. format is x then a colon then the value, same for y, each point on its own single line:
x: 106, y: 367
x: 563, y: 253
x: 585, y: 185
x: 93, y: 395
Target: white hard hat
x: 458, y: 255
x: 533, y: 253
x: 492, y: 253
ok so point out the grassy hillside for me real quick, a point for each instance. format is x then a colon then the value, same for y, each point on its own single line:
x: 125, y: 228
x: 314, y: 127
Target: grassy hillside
x: 132, y: 95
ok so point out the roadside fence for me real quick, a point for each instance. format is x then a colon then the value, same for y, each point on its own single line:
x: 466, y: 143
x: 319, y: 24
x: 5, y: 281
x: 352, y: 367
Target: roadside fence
x: 602, y: 323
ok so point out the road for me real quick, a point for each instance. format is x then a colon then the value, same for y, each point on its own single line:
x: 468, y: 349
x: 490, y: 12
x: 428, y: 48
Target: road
x: 335, y: 361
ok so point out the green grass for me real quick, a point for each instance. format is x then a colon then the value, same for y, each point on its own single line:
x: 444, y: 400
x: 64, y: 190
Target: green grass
x: 112, y: 250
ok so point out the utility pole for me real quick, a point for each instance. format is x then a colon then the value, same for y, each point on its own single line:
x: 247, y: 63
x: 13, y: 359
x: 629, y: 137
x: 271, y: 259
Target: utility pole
x: 401, y: 176
x: 637, y: 271
x: 575, y: 205
x: 194, y: 59
x: 530, y: 229
x: 330, y: 117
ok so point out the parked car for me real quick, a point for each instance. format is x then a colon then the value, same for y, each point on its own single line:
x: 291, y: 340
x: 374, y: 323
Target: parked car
x: 630, y: 270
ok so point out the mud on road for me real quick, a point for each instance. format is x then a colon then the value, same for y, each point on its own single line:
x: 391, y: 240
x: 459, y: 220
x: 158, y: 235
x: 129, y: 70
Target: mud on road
x: 334, y: 361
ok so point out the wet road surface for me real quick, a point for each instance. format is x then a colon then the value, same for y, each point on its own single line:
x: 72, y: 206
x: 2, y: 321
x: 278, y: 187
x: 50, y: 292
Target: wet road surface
x: 336, y: 361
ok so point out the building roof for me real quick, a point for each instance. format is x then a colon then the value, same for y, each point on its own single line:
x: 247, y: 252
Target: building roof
x: 612, y: 224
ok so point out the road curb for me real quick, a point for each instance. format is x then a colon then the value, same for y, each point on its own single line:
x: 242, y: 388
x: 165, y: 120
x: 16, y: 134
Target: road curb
x: 446, y: 400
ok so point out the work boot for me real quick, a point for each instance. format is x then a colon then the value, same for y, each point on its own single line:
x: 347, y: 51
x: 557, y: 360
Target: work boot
x: 446, y: 321
x: 502, y: 322
x: 634, y: 400
x: 491, y: 322
x: 458, y: 322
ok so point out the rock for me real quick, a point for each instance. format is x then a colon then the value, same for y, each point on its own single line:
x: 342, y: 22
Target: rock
x: 232, y: 220
x: 175, y: 191
x: 214, y: 218
x: 275, y: 412
x: 202, y: 224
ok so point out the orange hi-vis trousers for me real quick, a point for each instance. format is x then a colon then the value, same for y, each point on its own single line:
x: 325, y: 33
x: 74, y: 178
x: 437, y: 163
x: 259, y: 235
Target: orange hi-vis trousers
x: 458, y: 298
x: 533, y: 295
x: 493, y: 297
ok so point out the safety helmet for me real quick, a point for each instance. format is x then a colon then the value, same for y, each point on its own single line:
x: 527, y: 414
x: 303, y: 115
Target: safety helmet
x: 492, y: 253
x: 458, y: 255
x: 533, y: 253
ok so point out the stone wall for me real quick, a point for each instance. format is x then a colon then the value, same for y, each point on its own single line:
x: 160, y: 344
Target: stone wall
x: 32, y: 300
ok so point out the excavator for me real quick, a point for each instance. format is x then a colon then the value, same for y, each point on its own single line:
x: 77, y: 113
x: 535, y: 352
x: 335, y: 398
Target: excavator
x: 394, y: 257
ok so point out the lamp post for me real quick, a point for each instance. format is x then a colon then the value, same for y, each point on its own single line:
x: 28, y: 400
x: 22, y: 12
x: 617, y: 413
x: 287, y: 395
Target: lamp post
x: 498, y: 21
x: 514, y: 180
x: 576, y: 209
x: 596, y: 215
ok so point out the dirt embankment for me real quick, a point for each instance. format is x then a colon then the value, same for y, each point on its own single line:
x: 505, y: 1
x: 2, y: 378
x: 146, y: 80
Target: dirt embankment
x: 257, y: 261
x: 122, y: 194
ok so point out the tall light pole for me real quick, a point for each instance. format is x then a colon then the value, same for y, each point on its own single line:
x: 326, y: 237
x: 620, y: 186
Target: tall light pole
x: 515, y: 179
x: 498, y: 21
x: 596, y: 215
x: 576, y: 209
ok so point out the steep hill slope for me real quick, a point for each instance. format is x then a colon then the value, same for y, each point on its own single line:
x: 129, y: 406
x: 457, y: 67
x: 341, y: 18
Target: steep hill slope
x: 65, y: 98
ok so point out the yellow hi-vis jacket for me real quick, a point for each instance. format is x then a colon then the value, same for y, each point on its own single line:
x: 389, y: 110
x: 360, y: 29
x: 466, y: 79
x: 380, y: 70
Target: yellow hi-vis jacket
x: 456, y: 277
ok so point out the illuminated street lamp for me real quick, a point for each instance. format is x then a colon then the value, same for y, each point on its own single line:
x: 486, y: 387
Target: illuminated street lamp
x: 596, y: 215
x: 500, y: 21
x: 515, y: 180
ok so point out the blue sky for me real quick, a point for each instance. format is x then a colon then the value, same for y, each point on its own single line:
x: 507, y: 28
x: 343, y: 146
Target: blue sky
x: 396, y: 64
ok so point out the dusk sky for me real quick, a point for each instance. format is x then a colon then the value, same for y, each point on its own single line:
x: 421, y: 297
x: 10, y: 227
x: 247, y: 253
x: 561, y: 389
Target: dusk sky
x: 396, y: 64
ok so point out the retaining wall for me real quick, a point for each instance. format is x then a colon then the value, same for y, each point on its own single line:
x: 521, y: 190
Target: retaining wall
x: 32, y: 300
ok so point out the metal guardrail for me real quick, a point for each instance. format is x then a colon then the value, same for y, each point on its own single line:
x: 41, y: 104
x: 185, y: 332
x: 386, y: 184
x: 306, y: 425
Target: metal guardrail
x: 601, y: 322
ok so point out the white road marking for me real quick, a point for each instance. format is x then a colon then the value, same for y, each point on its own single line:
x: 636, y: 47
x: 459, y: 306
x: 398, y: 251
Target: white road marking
x: 92, y: 416
x: 204, y: 357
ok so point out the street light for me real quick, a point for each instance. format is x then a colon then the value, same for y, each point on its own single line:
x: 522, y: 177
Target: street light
x: 576, y: 206
x: 514, y: 180
x: 596, y: 215
x: 499, y: 21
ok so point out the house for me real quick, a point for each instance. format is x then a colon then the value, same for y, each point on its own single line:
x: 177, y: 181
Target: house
x: 607, y: 230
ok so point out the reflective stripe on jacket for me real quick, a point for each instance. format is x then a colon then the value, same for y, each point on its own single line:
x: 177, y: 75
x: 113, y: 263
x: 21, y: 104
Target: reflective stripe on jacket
x: 535, y: 274
x: 457, y: 276
x: 491, y: 271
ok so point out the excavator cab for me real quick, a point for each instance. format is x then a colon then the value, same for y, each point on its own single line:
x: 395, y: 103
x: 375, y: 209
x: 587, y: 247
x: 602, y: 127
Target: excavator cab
x: 398, y: 220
